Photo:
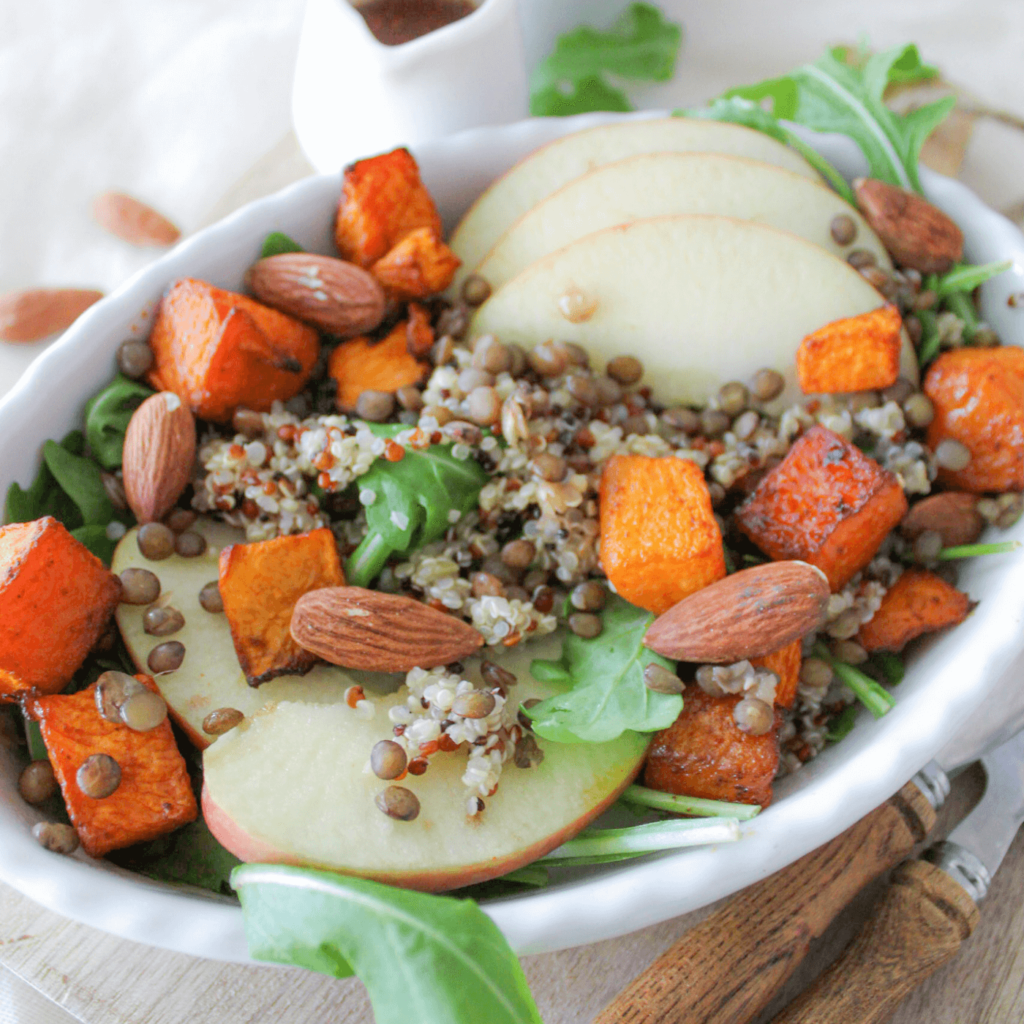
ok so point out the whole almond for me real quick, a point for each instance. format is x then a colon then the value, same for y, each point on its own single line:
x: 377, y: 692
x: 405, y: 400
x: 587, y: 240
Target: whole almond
x: 37, y: 313
x: 132, y: 220
x: 365, y: 629
x: 745, y: 615
x: 336, y: 296
x: 952, y: 514
x: 159, y: 449
x: 917, y: 234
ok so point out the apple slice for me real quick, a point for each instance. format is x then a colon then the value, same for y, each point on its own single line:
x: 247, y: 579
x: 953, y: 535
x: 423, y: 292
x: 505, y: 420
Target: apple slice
x: 292, y: 785
x: 655, y: 184
x: 210, y: 676
x: 700, y: 300
x: 554, y: 165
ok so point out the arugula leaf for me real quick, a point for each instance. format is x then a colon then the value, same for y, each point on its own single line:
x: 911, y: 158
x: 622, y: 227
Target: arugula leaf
x: 737, y: 110
x: 641, y: 44
x: 907, y: 70
x: 965, y: 278
x: 608, y: 694
x: 278, y: 242
x: 79, y: 478
x: 421, y: 957
x: 45, y: 497
x: 413, y: 499
x: 831, y: 96
x: 106, y: 419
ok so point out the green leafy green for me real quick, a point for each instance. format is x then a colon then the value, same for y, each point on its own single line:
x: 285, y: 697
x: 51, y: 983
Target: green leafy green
x: 843, y: 723
x: 890, y: 665
x: 737, y: 110
x: 641, y: 44
x: 636, y: 840
x: 606, y: 673
x: 832, y: 96
x: 870, y: 693
x: 422, y: 958
x: 278, y: 242
x: 412, y: 505
x: 79, y: 478
x: 965, y: 278
x: 1003, y: 547
x: 106, y: 419
x: 95, y: 538
x: 908, y: 70
x: 931, y: 340
x: 694, y: 805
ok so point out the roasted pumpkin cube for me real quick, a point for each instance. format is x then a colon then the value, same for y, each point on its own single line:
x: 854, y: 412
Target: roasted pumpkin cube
x: 857, y: 353
x: 219, y: 351
x: 360, y: 365
x: 155, y: 794
x: 260, y: 584
x: 382, y: 200
x: 919, y: 602
x: 704, y: 753
x: 785, y: 663
x: 978, y: 394
x: 660, y: 540
x: 826, y: 503
x: 55, y: 600
x: 419, y: 333
x: 418, y: 266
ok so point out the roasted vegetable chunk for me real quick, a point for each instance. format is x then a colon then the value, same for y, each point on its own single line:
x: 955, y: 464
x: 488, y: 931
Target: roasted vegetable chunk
x: 919, y: 602
x: 704, y: 753
x: 260, y: 584
x: 217, y: 351
x: 858, y: 353
x: 660, y: 541
x: 360, y: 365
x: 154, y: 795
x: 785, y: 663
x: 55, y: 598
x: 978, y: 394
x: 826, y: 503
x: 382, y: 201
x: 417, y: 266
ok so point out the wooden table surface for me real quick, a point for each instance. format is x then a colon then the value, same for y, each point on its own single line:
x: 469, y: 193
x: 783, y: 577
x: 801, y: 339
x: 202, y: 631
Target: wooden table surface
x: 100, y: 979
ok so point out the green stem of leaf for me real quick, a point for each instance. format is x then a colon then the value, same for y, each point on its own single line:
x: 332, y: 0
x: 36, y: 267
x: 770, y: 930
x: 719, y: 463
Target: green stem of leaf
x: 963, y: 305
x: 659, y: 835
x: 929, y: 347
x: 692, y: 805
x: 532, y: 874
x: 871, y: 694
x: 966, y: 278
x: 971, y: 550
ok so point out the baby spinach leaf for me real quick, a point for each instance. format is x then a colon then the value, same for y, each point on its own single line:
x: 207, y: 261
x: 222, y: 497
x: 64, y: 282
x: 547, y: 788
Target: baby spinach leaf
x: 832, y: 96
x: 965, y: 278
x: 278, y: 242
x: 106, y: 419
x: 79, y: 478
x: 411, y: 505
x: 737, y: 110
x: 641, y: 44
x: 608, y: 695
x: 44, y: 496
x: 421, y: 957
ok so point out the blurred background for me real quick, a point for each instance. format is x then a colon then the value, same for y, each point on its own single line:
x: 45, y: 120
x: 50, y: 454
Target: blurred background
x: 187, y: 105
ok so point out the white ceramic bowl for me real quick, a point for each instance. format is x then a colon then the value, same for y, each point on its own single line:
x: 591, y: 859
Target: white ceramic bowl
x: 947, y: 680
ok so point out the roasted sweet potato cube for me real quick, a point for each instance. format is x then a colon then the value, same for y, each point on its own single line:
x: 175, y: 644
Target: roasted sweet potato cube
x: 703, y: 753
x: 259, y: 585
x: 418, y: 266
x: 218, y: 350
x: 660, y: 541
x: 919, y: 602
x: 419, y: 334
x: 360, y: 365
x: 785, y: 663
x: 978, y: 394
x: 382, y: 200
x: 857, y: 353
x: 826, y: 503
x: 55, y: 599
x: 155, y: 794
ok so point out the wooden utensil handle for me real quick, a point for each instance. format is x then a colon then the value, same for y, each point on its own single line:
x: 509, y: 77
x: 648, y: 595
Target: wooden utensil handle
x: 727, y: 968
x: 920, y: 924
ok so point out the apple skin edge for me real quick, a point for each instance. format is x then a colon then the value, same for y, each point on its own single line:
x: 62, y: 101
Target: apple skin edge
x: 252, y: 849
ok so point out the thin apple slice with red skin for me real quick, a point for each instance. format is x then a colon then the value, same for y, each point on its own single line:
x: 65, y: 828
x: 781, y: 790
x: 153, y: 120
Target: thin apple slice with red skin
x: 292, y: 785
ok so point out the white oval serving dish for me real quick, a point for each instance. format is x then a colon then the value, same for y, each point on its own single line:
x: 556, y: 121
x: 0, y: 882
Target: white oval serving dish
x: 947, y: 680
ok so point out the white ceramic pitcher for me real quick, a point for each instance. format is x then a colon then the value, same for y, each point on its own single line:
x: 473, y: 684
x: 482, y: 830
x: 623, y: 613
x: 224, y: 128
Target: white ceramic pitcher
x: 353, y: 95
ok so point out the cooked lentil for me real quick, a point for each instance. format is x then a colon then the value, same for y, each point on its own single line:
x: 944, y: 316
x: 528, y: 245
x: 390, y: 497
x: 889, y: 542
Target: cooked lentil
x: 952, y: 455
x: 134, y: 358
x: 180, y: 519
x: 585, y: 624
x: 162, y: 620
x: 399, y: 803
x: 143, y: 712
x: 190, y: 544
x: 223, y: 720
x: 55, y: 836
x: 166, y: 657
x: 843, y: 229
x: 210, y: 599
x: 98, y: 776
x: 476, y: 290
x: 139, y: 586
x: 754, y: 716
x: 661, y: 680
x: 388, y: 760
x: 37, y: 783
x: 112, y: 690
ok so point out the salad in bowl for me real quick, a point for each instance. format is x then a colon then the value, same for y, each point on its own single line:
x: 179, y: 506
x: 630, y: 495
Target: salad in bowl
x: 402, y: 554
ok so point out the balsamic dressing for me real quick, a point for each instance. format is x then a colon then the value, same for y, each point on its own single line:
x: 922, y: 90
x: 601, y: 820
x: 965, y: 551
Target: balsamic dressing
x: 394, y: 22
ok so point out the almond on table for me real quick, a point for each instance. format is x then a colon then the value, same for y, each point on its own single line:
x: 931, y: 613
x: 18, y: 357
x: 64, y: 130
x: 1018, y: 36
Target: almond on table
x: 36, y: 313
x: 260, y: 585
x: 132, y: 220
x: 826, y: 503
x: 858, y: 353
x: 56, y: 598
x: 219, y: 351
